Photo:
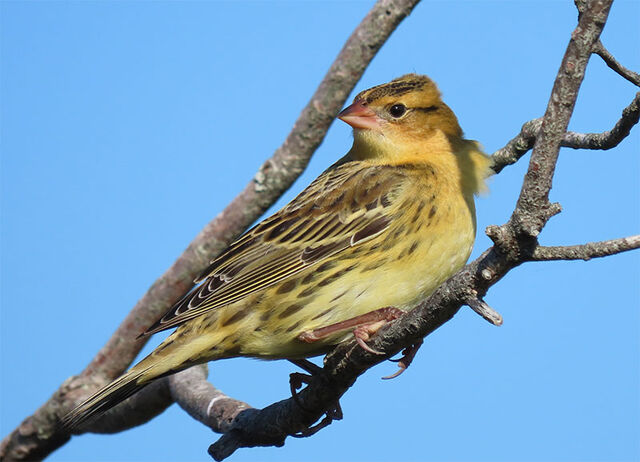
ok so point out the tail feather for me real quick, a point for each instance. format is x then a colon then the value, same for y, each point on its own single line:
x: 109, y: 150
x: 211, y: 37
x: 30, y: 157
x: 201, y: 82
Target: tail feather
x: 174, y: 354
x: 177, y: 352
x: 107, y: 397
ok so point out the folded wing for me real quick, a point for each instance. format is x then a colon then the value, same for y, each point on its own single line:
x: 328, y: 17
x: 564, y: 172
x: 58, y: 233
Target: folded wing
x: 342, y: 208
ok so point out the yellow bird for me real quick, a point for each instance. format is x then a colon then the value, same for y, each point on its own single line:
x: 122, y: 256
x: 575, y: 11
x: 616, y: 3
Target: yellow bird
x: 371, y: 237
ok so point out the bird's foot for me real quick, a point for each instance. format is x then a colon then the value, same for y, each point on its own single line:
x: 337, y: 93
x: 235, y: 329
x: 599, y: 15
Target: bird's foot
x: 364, y: 326
x: 296, y: 381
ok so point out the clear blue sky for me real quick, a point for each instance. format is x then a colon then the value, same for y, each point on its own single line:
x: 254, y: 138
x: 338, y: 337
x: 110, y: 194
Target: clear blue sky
x: 126, y: 126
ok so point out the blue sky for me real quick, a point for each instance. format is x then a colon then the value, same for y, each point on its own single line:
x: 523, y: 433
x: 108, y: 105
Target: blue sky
x: 126, y: 126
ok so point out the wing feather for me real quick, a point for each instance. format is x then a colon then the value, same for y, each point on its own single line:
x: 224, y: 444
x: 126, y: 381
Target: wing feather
x: 345, y: 206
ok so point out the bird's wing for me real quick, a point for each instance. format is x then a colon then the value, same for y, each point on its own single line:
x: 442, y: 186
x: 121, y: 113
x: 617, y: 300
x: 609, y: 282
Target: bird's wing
x: 342, y: 208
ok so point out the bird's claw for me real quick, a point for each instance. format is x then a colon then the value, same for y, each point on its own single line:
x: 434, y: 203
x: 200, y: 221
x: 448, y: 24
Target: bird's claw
x: 362, y: 334
x: 405, y: 361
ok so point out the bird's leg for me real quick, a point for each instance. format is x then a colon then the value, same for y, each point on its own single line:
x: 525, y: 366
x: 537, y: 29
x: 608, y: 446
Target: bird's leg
x: 305, y: 364
x: 364, y: 326
x: 407, y: 356
x: 296, y: 380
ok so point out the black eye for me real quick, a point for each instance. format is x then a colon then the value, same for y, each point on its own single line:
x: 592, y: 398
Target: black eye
x: 397, y: 110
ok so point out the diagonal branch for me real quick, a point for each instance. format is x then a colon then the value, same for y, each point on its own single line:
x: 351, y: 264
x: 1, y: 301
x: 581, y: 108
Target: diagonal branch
x: 274, y: 177
x: 36, y: 437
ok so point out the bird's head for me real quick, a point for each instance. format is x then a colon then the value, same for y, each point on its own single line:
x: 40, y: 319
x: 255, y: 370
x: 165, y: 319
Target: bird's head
x: 406, y: 110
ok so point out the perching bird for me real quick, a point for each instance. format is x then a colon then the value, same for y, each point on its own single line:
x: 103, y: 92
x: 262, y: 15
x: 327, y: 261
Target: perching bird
x: 382, y: 227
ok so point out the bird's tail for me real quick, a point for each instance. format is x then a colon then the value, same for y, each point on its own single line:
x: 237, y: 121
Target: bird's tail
x: 173, y: 355
x: 107, y: 397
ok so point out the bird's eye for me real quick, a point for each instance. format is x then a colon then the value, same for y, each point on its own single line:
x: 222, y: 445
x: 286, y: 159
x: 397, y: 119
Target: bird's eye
x: 397, y: 110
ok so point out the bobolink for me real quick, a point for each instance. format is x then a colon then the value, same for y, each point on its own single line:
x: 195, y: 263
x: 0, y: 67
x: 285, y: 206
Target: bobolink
x: 382, y: 227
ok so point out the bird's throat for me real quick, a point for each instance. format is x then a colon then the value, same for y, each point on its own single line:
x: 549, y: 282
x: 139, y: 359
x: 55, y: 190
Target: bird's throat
x: 371, y: 144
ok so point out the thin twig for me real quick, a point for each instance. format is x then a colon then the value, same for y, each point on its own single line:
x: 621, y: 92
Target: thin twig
x: 608, y: 139
x: 586, y: 251
x: 524, y: 141
x: 610, y: 61
x: 483, y: 309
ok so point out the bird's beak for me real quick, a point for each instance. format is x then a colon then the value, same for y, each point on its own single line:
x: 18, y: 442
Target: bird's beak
x: 360, y: 116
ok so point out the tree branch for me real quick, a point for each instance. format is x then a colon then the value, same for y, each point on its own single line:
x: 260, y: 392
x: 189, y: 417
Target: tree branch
x: 202, y: 401
x: 524, y: 141
x: 37, y: 436
x: 608, y: 139
x: 613, y: 64
x: 586, y: 251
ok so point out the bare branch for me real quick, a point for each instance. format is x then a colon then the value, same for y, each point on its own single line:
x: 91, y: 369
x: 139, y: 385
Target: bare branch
x: 516, y: 147
x: 610, y: 61
x: 524, y: 141
x: 533, y: 209
x: 202, y: 401
x: 610, y: 138
x: 586, y: 251
x: 37, y: 435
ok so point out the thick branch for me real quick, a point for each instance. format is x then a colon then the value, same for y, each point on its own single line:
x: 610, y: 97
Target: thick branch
x: 533, y: 209
x: 36, y: 437
x: 610, y: 61
x: 586, y: 251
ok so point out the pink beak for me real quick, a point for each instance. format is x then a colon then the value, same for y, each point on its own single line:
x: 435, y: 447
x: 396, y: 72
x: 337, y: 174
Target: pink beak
x: 360, y: 116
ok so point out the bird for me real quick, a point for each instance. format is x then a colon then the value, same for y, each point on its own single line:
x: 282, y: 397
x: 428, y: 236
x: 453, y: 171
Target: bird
x: 371, y: 237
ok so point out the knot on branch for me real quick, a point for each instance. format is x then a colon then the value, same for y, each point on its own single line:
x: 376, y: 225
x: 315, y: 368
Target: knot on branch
x: 504, y: 241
